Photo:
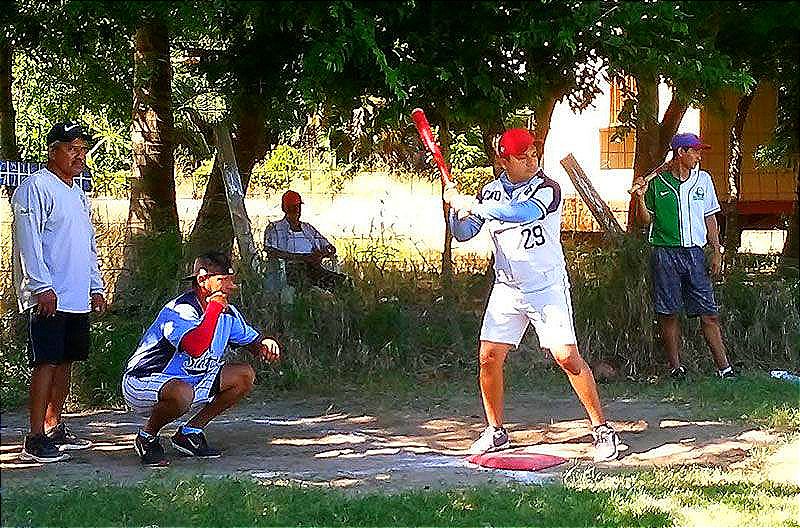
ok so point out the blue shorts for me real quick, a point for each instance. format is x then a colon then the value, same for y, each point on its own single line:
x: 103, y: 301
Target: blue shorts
x: 680, y: 280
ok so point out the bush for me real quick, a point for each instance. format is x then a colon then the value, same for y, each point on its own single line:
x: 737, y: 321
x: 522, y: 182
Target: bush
x: 614, y: 318
x: 96, y: 381
x: 397, y: 319
x: 276, y: 171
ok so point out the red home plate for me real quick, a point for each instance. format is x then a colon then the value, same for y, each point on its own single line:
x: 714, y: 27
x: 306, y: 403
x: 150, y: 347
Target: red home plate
x: 516, y: 460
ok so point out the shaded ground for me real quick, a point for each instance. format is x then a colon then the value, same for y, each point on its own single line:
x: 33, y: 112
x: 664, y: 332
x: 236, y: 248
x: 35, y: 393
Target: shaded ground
x: 342, y: 443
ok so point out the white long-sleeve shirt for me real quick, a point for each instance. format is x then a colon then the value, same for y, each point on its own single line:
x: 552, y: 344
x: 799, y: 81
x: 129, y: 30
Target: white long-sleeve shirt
x: 54, y: 243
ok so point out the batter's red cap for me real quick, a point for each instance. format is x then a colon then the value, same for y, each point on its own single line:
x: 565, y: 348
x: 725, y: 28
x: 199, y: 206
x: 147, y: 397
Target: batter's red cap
x: 290, y: 198
x: 515, y: 142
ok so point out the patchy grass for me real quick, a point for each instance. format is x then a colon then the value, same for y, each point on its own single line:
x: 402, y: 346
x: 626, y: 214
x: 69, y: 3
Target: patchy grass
x: 691, y: 497
x: 753, y: 398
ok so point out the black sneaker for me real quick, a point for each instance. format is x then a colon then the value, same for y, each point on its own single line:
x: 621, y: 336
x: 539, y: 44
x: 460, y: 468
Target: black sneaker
x: 39, y: 448
x: 726, y: 373
x: 150, y: 451
x: 194, y: 444
x: 678, y: 373
x: 64, y: 440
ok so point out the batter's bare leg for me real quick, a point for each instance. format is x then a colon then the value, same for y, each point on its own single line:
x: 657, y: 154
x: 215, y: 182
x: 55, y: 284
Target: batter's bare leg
x: 492, y: 359
x: 582, y: 380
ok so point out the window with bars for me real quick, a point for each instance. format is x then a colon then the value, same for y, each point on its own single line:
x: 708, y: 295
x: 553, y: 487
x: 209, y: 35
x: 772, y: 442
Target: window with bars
x: 617, y: 148
x: 621, y: 91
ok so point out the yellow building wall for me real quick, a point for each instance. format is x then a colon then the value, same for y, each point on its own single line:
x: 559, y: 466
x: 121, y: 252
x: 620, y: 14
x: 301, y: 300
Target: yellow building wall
x: 716, y: 119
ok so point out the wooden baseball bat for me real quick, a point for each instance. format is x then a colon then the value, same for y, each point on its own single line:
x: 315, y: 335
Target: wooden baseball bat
x: 647, y: 179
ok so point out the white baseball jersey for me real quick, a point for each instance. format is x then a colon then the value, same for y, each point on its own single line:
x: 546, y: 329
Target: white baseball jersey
x: 527, y: 254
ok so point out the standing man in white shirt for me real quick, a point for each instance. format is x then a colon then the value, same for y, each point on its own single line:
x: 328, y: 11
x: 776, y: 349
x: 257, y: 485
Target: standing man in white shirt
x: 59, y: 284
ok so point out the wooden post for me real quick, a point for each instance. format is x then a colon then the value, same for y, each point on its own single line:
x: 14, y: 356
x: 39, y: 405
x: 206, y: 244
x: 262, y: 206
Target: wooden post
x: 602, y: 213
x: 234, y: 193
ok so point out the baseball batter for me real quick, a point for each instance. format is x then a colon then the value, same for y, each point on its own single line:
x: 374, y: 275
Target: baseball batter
x: 522, y: 211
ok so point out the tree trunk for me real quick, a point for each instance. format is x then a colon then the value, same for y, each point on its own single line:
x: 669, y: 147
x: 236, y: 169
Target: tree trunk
x: 489, y: 132
x: 447, y: 250
x: 212, y: 228
x: 733, y: 227
x: 8, y: 137
x: 791, y: 247
x: 652, y: 136
x: 152, y: 206
x: 543, y: 113
x: 153, y: 239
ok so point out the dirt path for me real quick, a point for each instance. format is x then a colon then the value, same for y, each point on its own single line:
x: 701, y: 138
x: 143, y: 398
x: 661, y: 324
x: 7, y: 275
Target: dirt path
x: 341, y: 443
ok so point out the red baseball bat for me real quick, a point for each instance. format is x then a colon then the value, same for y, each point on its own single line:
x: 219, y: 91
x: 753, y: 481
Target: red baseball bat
x: 424, y: 129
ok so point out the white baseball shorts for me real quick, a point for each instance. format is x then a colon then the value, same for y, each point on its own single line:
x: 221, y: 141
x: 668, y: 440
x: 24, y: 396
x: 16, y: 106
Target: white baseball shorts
x: 510, y: 310
x: 141, y: 394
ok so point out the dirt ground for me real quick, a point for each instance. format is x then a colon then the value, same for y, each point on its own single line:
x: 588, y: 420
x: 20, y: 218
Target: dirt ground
x: 343, y: 443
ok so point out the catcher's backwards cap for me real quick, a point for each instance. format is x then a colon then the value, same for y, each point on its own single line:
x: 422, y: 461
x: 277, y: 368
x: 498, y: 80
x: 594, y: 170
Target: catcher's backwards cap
x: 212, y: 263
x: 515, y: 142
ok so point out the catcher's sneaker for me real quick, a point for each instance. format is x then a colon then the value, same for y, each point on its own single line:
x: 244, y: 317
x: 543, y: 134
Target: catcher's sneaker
x: 39, y: 448
x: 492, y: 439
x: 64, y: 440
x: 606, y: 443
x: 150, y: 451
x: 678, y: 374
x: 193, y: 444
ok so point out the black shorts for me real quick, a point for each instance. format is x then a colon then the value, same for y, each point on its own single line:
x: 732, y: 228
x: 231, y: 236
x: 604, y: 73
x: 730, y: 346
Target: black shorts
x: 62, y: 338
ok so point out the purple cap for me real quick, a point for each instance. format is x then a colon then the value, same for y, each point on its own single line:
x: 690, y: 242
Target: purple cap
x: 688, y: 140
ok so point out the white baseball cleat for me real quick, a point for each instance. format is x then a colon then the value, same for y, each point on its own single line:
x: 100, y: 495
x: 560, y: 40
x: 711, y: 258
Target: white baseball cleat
x: 606, y: 443
x: 492, y: 439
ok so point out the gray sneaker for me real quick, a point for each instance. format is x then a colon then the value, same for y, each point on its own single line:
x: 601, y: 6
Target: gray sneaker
x: 606, y: 443
x: 492, y: 439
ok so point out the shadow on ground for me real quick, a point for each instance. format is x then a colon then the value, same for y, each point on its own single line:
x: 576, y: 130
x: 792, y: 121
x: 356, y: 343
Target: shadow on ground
x: 340, y: 443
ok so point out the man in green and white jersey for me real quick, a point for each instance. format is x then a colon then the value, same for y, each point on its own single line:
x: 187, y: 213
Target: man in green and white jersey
x: 680, y: 204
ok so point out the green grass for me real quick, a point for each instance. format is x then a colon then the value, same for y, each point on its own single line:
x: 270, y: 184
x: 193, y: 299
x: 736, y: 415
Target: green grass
x: 753, y: 398
x: 698, y: 497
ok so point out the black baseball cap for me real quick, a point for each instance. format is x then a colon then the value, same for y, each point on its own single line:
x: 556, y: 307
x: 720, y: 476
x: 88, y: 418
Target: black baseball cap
x: 67, y: 132
x: 211, y: 263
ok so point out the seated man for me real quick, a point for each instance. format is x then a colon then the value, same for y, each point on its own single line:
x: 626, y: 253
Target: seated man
x: 301, y: 245
x: 179, y: 362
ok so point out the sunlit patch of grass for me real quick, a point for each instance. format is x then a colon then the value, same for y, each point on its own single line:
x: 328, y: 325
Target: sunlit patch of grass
x: 695, y: 496
x: 704, y: 496
x: 753, y: 397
